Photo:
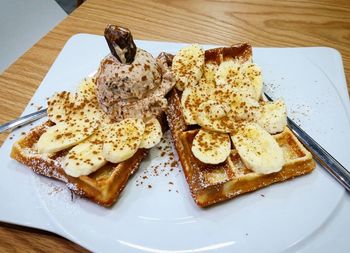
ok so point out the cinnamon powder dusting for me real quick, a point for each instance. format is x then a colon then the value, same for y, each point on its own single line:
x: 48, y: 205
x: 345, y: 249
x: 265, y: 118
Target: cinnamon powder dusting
x: 164, y: 165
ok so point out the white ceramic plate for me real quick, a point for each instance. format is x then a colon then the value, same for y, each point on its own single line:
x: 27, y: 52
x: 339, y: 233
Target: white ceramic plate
x: 164, y: 218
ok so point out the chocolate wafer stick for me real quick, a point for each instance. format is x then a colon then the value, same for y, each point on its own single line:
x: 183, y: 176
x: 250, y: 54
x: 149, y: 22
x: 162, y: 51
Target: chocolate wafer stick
x: 120, y: 43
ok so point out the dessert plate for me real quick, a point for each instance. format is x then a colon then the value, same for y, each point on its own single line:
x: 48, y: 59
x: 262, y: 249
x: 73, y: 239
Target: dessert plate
x: 156, y: 213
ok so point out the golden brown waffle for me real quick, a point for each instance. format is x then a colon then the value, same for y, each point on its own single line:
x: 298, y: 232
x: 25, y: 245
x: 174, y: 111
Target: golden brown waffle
x: 210, y: 184
x: 103, y: 186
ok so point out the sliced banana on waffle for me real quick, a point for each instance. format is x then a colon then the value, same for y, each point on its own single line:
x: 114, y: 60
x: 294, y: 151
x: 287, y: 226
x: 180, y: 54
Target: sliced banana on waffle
x: 258, y: 150
x: 210, y: 70
x: 64, y: 135
x: 191, y: 98
x: 63, y: 106
x: 245, y: 78
x: 74, y: 122
x: 242, y: 106
x: 189, y: 103
x: 87, y: 156
x: 84, y: 159
x: 214, y: 116
x: 86, y: 89
x: 188, y: 66
x: 273, y: 116
x: 152, y: 134
x: 253, y: 73
x: 57, y: 104
x: 210, y: 147
x: 228, y: 73
x: 123, y: 140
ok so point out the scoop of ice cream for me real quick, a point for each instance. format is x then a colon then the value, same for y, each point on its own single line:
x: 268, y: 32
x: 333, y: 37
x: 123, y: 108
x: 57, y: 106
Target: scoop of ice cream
x: 124, y: 81
x: 133, y: 90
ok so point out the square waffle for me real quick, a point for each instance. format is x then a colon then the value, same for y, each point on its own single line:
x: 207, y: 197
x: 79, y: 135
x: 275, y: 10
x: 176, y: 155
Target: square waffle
x: 102, y: 186
x: 210, y: 184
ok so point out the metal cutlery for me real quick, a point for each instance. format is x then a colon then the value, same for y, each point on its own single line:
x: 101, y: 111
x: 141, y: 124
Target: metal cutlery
x: 21, y: 121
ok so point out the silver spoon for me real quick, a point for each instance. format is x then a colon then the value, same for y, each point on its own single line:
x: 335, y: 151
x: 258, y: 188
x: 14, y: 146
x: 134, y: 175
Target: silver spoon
x: 21, y: 121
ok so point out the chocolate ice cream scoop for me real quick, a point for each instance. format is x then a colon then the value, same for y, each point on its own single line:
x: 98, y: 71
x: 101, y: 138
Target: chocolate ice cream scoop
x: 120, y: 43
x: 130, y: 82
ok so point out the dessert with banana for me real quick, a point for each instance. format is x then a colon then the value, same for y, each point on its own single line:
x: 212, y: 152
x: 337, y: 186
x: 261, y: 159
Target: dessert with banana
x: 229, y: 140
x: 96, y: 137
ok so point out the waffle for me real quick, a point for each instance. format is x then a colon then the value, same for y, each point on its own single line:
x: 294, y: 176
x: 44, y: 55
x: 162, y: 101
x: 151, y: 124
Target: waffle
x: 210, y: 184
x: 103, y: 186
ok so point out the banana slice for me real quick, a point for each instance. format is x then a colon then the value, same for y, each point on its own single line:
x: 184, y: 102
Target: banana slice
x: 210, y: 70
x: 84, y: 159
x: 211, y: 147
x: 228, y: 73
x: 235, y: 75
x: 86, y: 89
x: 213, y: 116
x: 190, y: 100
x: 66, y: 106
x: 85, y: 114
x: 273, y: 116
x: 258, y: 150
x: 188, y: 66
x: 189, y: 105
x: 57, y: 104
x: 78, y: 123
x: 206, y: 87
x: 152, y: 134
x: 87, y: 156
x: 242, y: 105
x: 123, y: 140
x: 253, y: 73
x: 64, y: 135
